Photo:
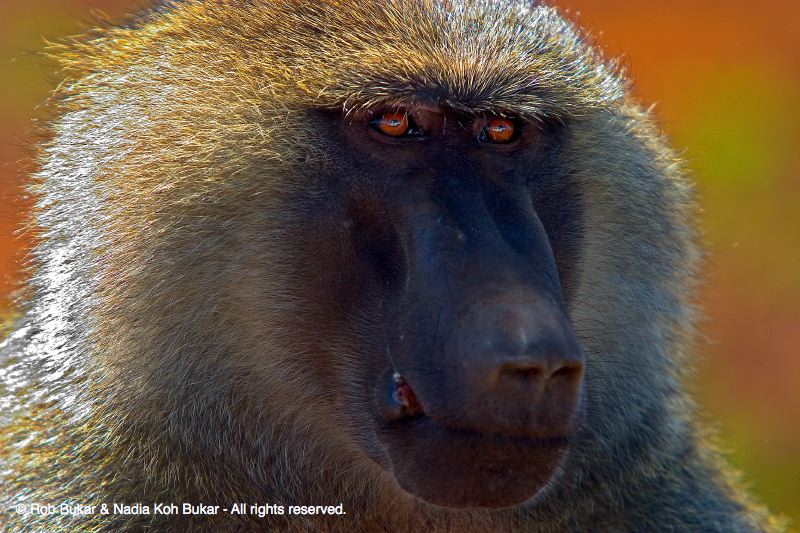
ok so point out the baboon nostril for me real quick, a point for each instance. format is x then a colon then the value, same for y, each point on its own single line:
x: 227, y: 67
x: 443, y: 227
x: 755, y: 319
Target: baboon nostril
x: 559, y: 375
x: 526, y: 371
x: 567, y: 371
x: 541, y: 370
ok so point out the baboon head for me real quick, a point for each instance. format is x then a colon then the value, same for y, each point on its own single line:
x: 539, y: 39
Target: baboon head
x: 427, y: 247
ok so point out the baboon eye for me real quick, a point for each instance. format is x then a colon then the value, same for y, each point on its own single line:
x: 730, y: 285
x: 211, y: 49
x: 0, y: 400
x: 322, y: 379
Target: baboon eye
x: 395, y: 124
x: 499, y: 130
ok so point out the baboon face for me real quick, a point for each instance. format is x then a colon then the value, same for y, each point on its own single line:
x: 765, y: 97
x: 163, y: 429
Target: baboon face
x: 446, y: 246
x: 365, y: 222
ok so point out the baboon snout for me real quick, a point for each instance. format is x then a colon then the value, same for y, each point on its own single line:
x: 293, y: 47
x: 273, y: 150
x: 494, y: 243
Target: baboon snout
x: 489, y: 400
x: 521, y: 367
x: 510, y: 365
x: 483, y: 343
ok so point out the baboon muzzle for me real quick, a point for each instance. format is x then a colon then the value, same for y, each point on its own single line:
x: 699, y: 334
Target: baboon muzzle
x: 487, y: 369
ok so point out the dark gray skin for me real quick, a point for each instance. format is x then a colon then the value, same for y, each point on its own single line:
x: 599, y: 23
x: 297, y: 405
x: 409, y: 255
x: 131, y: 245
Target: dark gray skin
x: 245, y: 291
x: 453, y: 254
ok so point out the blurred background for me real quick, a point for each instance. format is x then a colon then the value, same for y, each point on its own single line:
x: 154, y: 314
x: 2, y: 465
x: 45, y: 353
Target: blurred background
x: 725, y: 78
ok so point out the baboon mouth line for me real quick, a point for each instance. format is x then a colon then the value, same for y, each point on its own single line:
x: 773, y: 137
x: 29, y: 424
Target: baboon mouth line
x: 423, y: 423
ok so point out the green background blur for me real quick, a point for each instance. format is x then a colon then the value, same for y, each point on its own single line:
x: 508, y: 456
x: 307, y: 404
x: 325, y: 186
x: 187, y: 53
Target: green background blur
x: 726, y: 80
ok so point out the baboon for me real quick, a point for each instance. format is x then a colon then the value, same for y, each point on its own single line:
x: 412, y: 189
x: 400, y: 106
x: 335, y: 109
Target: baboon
x: 425, y: 259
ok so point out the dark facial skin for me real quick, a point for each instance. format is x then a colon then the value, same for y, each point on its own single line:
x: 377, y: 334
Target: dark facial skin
x: 455, y: 253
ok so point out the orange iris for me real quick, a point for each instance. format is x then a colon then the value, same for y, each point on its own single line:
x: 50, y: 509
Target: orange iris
x: 393, y: 123
x: 499, y: 130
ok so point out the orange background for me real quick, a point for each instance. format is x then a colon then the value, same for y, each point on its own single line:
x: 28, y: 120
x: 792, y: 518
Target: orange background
x: 726, y: 79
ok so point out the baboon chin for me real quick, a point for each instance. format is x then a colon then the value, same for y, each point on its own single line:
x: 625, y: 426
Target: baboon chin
x: 426, y: 260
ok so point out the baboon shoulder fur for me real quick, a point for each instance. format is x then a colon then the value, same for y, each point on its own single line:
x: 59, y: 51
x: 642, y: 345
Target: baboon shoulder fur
x: 158, y: 357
